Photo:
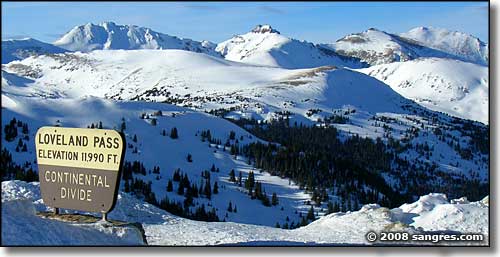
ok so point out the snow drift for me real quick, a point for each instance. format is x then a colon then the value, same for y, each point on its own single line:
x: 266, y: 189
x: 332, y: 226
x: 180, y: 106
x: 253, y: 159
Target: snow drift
x: 20, y: 226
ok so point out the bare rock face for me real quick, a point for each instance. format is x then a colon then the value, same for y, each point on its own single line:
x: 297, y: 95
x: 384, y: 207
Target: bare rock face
x: 266, y: 28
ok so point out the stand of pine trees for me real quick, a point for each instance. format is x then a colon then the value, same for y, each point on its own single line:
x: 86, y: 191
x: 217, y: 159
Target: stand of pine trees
x: 317, y: 160
x: 8, y: 168
x: 185, y: 187
x: 314, y: 158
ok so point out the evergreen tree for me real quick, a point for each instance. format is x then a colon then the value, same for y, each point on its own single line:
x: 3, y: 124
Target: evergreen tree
x: 127, y: 187
x: 303, y: 222
x: 177, y: 176
x: 274, y: 199
x: 188, y: 201
x: 310, y: 214
x: 10, y: 130
x: 25, y: 128
x: 123, y: 126
x: 230, y: 207
x: 240, y: 178
x: 250, y: 181
x: 173, y: 133
x: 265, y: 200
x: 170, y: 186
x: 216, y: 188
x: 232, y: 177
x: 208, y: 189
x: 180, y: 189
x: 258, y: 190
x: 189, y: 158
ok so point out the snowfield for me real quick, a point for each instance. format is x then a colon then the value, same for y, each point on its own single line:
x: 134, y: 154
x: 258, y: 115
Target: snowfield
x: 154, y: 149
x: 461, y: 45
x: 445, y: 85
x: 20, y: 225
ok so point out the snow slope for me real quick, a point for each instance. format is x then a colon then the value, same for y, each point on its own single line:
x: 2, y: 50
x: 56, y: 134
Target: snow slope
x: 265, y: 45
x: 161, y: 74
x: 379, y: 47
x: 17, y: 49
x: 461, y: 45
x: 108, y: 35
x: 154, y: 149
x: 21, y: 199
x: 451, y: 86
x: 374, y: 47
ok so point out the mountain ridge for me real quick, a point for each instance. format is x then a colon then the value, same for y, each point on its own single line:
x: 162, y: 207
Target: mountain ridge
x: 18, y: 49
x: 375, y: 46
x: 109, y: 35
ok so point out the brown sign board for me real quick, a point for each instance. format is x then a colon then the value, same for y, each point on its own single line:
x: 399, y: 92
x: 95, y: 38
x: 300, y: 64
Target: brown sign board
x: 79, y: 168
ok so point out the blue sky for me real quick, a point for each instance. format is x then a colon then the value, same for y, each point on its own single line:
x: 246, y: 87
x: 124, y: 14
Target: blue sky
x: 318, y: 22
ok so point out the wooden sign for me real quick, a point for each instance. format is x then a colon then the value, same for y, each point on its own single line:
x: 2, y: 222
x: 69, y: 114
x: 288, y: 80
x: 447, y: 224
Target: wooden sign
x: 79, y: 168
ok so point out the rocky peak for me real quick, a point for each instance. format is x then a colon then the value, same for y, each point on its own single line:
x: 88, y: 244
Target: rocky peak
x: 266, y: 28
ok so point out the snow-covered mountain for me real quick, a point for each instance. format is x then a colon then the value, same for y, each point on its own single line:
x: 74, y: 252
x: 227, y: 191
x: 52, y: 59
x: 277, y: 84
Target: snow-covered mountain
x: 374, y: 47
x: 108, y: 35
x: 220, y: 107
x: 17, y: 49
x: 432, y: 213
x: 451, y: 86
x: 264, y: 45
x: 458, y: 44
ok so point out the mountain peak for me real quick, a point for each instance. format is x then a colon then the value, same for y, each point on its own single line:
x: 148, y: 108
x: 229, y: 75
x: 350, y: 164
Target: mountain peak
x: 422, y: 28
x: 265, y: 28
x: 108, y: 24
x: 108, y: 35
x: 463, y: 46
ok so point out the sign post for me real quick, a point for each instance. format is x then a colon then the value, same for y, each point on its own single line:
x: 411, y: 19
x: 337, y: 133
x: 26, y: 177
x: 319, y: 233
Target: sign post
x: 78, y: 168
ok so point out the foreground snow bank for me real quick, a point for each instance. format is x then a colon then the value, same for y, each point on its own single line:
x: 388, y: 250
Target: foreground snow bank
x: 431, y: 213
x: 21, y: 225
